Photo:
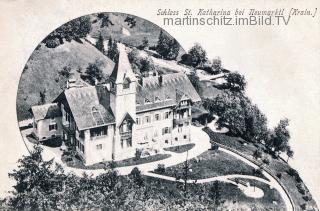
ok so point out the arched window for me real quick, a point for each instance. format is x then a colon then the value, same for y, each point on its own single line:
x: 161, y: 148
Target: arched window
x: 126, y: 83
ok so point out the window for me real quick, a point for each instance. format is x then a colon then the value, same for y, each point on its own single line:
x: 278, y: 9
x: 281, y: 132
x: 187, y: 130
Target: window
x: 138, y: 121
x: 67, y: 117
x: 99, y: 146
x: 129, y: 142
x: 157, y: 99
x: 100, y: 131
x: 167, y: 97
x: 166, y: 115
x: 126, y: 83
x: 145, y: 136
x: 165, y: 130
x: 124, y: 127
x: 185, y: 136
x: 53, y: 127
x: 176, y: 138
x: 147, y: 119
x: 157, y: 117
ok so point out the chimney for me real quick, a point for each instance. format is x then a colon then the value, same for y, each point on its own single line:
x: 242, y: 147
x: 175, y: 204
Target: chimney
x: 71, y: 83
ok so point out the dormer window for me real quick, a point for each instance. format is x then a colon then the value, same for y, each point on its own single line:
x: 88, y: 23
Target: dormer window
x: 157, y: 99
x: 146, y: 101
x: 168, y: 97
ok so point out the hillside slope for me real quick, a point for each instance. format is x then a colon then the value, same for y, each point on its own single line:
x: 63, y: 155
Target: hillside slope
x: 42, y: 72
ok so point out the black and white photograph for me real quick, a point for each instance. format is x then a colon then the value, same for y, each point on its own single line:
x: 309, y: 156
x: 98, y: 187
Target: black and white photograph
x: 158, y: 105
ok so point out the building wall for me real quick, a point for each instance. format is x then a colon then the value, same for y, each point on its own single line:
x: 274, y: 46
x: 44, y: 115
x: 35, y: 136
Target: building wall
x: 96, y: 149
x: 151, y: 134
x: 42, y: 131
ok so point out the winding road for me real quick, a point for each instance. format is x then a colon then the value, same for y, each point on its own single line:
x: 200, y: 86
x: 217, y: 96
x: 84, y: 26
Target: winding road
x: 202, y: 144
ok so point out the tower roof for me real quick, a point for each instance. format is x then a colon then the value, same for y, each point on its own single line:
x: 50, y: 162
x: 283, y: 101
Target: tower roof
x: 122, y: 68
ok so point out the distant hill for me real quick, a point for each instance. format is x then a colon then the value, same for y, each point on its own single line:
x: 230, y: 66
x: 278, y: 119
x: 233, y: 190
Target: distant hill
x: 42, y: 71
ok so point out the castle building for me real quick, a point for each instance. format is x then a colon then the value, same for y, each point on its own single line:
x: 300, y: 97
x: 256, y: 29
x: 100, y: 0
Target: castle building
x: 113, y: 121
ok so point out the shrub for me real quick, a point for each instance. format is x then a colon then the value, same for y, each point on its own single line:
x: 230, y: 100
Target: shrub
x: 279, y: 175
x: 160, y: 169
x: 307, y: 198
x: 52, y: 43
x: 138, y: 154
x: 266, y: 161
x: 301, y: 189
x: 257, y: 154
x: 303, y: 206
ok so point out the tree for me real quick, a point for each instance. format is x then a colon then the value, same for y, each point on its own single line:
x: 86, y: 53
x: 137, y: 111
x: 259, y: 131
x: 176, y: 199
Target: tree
x: 37, y: 183
x: 113, y: 52
x: 42, y: 97
x: 146, y: 65
x: 290, y: 153
x: 167, y: 47
x: 194, y: 79
x: 215, y: 194
x: 73, y: 30
x: 136, y: 176
x: 216, y: 65
x: 239, y: 115
x: 198, y: 55
x: 145, y: 43
x: 93, y: 74
x: 236, y: 82
x: 105, y: 21
x: 280, y: 136
x: 99, y: 44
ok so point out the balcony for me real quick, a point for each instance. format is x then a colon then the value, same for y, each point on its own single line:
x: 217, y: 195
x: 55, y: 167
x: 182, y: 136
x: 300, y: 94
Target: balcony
x: 181, y: 121
x: 127, y: 134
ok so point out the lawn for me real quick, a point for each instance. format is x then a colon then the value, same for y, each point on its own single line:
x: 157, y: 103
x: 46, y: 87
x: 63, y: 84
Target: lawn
x: 77, y: 163
x: 276, y: 167
x: 211, y: 164
x: 180, y: 149
x: 231, y: 197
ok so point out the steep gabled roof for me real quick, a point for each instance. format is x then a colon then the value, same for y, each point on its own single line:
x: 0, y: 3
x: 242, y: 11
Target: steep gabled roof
x: 127, y: 116
x: 88, y: 106
x: 122, y: 68
x: 171, y: 89
x: 45, y: 111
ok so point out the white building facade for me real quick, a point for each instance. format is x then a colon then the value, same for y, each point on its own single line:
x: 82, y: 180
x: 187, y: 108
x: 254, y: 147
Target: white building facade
x: 113, y: 121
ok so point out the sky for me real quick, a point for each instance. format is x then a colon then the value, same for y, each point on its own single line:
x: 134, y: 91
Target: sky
x: 281, y: 64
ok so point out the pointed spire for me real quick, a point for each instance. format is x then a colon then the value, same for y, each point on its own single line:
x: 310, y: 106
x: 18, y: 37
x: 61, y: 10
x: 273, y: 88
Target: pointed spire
x: 122, y: 68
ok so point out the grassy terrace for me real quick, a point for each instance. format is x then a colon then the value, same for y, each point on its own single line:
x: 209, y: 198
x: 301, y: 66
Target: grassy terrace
x: 180, y: 149
x: 231, y: 197
x: 297, y: 190
x: 77, y: 163
x: 211, y: 164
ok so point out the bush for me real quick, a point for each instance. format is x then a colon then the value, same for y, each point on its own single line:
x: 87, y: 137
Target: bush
x: 301, y: 189
x: 292, y: 172
x: 257, y: 154
x: 138, y: 154
x: 186, y: 59
x: 160, y: 169
x: 307, y: 198
x: 266, y: 161
x: 52, y: 43
x: 279, y: 175
x: 303, y: 206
